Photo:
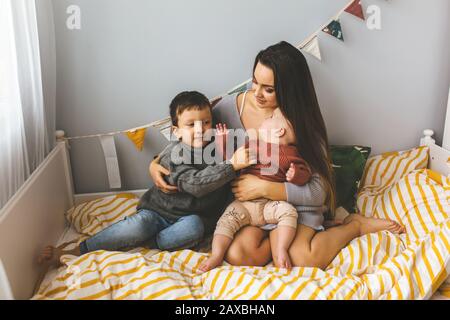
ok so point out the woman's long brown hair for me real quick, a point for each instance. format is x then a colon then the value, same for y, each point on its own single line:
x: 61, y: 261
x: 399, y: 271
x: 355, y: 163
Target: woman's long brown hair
x: 297, y: 100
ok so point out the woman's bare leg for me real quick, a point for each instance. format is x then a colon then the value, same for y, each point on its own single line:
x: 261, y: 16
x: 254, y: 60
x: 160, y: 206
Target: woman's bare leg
x: 318, y: 249
x: 250, y: 247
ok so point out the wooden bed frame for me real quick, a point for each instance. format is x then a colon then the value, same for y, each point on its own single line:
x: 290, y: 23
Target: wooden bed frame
x: 34, y: 216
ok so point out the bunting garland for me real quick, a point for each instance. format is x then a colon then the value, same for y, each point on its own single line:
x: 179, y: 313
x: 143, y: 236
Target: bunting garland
x: 137, y: 135
x: 310, y: 45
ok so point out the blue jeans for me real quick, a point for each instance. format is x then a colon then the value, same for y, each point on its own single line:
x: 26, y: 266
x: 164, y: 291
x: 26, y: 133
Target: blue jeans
x: 147, y: 228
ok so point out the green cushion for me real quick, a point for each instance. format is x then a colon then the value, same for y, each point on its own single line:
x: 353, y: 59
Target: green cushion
x: 348, y: 165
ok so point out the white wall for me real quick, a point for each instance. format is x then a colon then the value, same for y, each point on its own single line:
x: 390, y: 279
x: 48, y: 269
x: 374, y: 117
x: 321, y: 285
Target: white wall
x: 378, y: 88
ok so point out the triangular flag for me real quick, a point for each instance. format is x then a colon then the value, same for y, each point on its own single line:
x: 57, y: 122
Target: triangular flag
x: 312, y: 47
x: 334, y: 29
x: 137, y: 136
x: 167, y: 132
x: 165, y: 128
x: 356, y: 9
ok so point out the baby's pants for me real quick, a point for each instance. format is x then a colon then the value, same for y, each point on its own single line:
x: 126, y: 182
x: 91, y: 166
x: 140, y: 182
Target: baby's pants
x: 257, y: 212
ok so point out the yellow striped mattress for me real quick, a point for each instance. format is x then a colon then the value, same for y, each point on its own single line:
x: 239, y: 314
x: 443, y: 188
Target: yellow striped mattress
x: 375, y: 266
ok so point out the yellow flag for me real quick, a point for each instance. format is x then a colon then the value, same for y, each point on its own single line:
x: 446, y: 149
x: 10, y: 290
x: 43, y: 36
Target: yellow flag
x: 137, y: 136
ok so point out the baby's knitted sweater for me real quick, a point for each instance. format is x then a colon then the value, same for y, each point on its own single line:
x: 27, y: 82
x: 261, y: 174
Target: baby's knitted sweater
x: 274, y: 169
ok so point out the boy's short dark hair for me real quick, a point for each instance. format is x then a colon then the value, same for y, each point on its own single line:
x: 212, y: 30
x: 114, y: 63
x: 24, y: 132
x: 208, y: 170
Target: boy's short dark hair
x: 187, y: 100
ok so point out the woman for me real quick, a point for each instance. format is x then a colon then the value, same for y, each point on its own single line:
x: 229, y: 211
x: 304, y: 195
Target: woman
x: 281, y: 78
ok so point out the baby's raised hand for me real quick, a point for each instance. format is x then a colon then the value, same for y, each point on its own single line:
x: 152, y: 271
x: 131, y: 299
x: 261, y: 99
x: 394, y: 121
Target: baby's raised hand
x: 221, y: 129
x: 290, y: 173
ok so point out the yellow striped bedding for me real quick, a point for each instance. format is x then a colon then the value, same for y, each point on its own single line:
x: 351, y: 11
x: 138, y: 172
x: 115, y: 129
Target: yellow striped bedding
x: 93, y: 216
x: 375, y: 266
x: 387, y: 168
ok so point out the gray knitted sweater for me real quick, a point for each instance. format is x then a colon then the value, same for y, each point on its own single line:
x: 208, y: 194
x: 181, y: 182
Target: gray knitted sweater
x: 202, y: 189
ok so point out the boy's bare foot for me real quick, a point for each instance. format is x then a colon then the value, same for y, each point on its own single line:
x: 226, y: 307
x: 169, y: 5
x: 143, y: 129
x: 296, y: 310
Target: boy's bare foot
x: 372, y: 225
x: 282, y: 260
x: 210, y: 263
x: 51, y: 255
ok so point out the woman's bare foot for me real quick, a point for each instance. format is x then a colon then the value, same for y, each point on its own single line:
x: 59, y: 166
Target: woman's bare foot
x: 51, y: 255
x: 211, y: 263
x: 372, y: 225
x: 282, y: 260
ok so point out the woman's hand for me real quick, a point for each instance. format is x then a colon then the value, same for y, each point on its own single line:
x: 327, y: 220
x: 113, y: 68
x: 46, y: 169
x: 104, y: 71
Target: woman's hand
x: 249, y: 187
x: 157, y: 172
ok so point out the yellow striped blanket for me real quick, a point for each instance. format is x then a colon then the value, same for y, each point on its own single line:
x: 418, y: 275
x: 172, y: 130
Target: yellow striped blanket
x: 375, y: 266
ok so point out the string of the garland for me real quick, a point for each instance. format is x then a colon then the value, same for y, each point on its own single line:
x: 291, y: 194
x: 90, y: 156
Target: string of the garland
x: 164, y: 123
x: 152, y: 124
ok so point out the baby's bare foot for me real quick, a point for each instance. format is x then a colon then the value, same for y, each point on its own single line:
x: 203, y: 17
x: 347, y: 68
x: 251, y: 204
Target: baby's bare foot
x: 282, y: 260
x: 372, y: 225
x: 210, y: 263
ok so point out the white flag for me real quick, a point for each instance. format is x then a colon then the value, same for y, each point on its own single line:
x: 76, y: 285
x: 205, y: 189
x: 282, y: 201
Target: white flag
x: 312, y: 47
x: 112, y: 164
x: 165, y: 128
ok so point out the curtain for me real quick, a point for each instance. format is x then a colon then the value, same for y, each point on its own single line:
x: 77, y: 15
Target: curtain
x: 46, y: 28
x: 24, y: 138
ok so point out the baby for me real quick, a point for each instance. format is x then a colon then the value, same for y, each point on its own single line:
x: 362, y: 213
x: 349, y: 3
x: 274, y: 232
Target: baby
x: 275, y: 134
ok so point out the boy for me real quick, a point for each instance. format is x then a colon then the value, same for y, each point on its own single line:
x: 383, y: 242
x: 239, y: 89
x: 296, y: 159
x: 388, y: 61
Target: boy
x: 173, y: 221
